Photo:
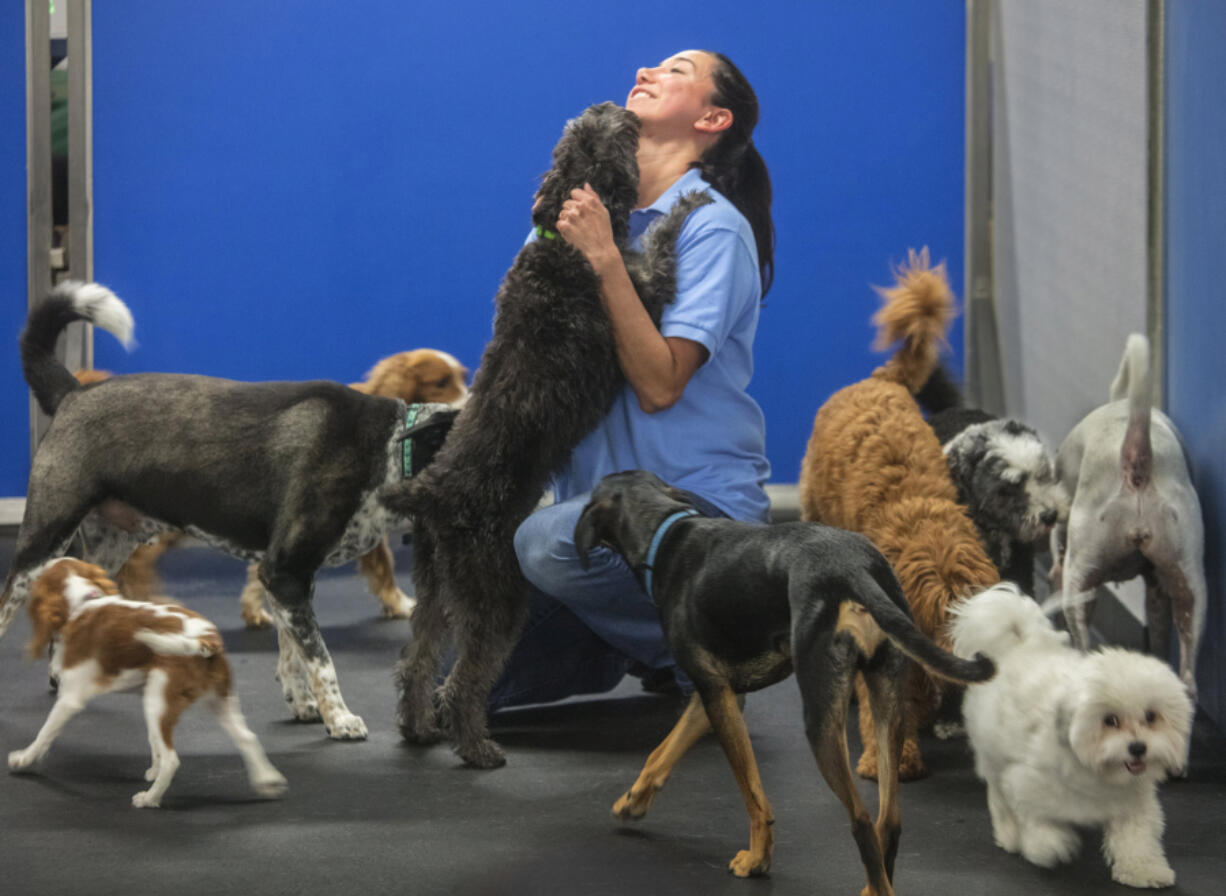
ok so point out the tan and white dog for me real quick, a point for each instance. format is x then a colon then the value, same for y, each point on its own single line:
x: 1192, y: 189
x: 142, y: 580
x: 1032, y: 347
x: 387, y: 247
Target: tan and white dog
x: 105, y: 643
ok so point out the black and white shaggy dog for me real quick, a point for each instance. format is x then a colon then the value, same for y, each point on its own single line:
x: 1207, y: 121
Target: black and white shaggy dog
x: 1005, y: 476
x: 283, y: 474
x: 548, y: 376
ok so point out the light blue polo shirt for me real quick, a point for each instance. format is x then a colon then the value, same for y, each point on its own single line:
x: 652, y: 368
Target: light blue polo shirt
x: 713, y: 440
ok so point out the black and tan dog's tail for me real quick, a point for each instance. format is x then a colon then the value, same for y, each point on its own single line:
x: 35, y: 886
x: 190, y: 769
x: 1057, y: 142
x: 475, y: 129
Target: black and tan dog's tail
x: 884, y: 601
x: 70, y: 301
x: 916, y: 315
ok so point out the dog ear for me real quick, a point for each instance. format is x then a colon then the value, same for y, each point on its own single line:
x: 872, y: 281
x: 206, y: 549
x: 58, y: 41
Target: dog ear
x: 98, y: 576
x: 589, y: 531
x: 678, y: 495
x: 49, y: 613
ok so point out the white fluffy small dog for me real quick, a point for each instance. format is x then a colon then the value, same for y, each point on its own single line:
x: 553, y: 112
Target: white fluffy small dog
x: 1066, y: 739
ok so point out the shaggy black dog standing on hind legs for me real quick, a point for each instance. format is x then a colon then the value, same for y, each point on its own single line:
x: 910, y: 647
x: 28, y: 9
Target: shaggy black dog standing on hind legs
x: 548, y: 376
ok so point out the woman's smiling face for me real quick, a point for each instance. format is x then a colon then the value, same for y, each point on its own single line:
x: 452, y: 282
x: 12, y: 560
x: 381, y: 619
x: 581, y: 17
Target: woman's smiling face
x: 674, y: 94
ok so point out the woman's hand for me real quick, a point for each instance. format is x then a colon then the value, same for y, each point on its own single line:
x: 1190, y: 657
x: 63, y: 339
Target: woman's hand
x: 584, y: 223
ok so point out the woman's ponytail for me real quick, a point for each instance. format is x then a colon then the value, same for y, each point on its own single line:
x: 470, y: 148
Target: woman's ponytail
x: 734, y: 166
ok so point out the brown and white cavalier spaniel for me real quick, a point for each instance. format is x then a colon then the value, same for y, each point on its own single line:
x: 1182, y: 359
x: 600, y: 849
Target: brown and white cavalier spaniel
x: 104, y: 642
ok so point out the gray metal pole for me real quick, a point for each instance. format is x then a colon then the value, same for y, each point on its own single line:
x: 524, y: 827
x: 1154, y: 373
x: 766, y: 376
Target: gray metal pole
x: 984, y: 385
x: 79, y: 339
x: 38, y: 168
x: 1155, y: 229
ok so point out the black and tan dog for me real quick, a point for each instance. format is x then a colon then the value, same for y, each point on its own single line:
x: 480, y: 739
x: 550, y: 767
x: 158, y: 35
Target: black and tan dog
x: 744, y: 604
x: 283, y: 474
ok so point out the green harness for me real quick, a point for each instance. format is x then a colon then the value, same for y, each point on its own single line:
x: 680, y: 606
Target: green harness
x: 410, y: 420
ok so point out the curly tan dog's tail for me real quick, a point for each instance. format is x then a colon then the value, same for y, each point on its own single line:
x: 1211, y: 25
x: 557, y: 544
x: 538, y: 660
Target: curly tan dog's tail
x: 917, y: 313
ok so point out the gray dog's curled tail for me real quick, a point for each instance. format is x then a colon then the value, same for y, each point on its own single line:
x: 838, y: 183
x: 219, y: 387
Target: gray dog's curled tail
x: 72, y: 300
x: 901, y: 630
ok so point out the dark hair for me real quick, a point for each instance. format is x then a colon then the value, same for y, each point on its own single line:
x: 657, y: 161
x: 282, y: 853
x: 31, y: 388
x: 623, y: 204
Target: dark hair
x: 733, y: 165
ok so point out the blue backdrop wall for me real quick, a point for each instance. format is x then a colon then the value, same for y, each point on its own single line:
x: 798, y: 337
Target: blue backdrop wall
x: 1196, y: 316
x: 14, y: 401
x: 291, y: 189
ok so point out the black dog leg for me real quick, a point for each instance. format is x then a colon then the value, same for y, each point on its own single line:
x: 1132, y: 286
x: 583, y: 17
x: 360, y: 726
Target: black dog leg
x: 484, y: 642
x: 825, y: 670
x: 418, y: 667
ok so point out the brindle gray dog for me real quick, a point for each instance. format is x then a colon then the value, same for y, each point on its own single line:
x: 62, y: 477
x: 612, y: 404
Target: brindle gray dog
x: 283, y: 474
x: 742, y: 604
x: 548, y: 376
x: 1005, y: 476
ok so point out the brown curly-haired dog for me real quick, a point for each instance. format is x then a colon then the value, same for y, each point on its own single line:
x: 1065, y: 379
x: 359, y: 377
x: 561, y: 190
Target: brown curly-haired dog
x: 874, y: 466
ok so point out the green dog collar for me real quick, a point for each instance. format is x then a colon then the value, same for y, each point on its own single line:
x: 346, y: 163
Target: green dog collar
x: 547, y: 234
x: 410, y: 420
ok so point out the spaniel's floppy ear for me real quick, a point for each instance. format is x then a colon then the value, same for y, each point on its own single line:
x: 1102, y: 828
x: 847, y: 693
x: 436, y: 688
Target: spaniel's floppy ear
x: 374, y: 379
x: 49, y: 613
x: 98, y: 576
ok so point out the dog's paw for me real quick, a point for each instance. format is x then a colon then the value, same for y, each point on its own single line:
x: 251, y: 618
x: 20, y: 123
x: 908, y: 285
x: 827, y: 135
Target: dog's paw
x: 1048, y: 845
x: 346, y: 726
x: 301, y: 703
x: 911, y: 763
x: 304, y: 710
x: 1148, y: 875
x: 144, y: 800
x: 397, y: 605
x: 484, y: 753
x: 20, y: 760
x: 270, y: 784
x: 1007, y: 836
x: 949, y: 730
x: 633, y: 806
x: 417, y: 730
x: 867, y: 766
x: 748, y: 863
x: 257, y: 618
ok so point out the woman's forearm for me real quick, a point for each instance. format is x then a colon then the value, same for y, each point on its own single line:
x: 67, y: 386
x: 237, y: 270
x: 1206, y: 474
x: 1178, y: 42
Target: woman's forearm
x: 656, y: 368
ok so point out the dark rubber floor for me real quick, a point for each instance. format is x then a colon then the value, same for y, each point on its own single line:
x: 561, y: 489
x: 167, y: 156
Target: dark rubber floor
x: 381, y: 817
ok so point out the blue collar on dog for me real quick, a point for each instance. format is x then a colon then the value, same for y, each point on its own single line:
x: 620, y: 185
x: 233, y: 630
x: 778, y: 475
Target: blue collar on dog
x: 655, y: 546
x: 410, y: 418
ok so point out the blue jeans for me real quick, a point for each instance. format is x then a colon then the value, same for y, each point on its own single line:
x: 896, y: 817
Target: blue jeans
x: 585, y: 628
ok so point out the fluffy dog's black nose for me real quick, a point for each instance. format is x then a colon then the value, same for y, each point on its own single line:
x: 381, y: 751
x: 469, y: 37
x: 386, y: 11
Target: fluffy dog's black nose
x: 1137, y: 748
x: 1049, y: 517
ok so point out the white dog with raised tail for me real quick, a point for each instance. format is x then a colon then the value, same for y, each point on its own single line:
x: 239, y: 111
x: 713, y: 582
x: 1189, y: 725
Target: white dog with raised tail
x: 1067, y: 740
